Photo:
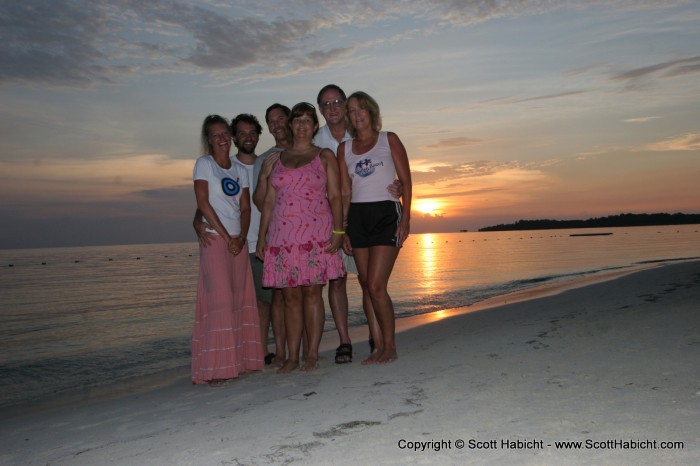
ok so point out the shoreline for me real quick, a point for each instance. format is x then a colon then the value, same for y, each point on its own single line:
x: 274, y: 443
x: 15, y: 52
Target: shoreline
x: 329, y: 341
x: 358, y: 333
x: 611, y: 361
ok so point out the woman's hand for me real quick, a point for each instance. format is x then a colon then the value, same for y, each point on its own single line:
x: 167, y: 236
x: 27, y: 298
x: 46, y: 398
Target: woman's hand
x: 395, y: 189
x: 203, y: 235
x: 236, y: 245
x: 334, y: 243
x: 402, y: 231
x: 347, y: 247
x: 267, y: 166
x: 260, y: 249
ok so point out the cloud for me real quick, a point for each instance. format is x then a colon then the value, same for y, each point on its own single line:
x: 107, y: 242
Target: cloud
x: 449, y: 143
x: 641, y: 119
x: 473, y: 192
x: 637, y: 77
x: 501, y: 101
x: 469, y: 12
x: 548, y: 97
x: 683, y: 70
x: 103, y: 179
x: 690, y: 141
x: 80, y: 44
x: 471, y: 169
x: 86, y: 43
x: 59, y: 42
x: 477, y: 11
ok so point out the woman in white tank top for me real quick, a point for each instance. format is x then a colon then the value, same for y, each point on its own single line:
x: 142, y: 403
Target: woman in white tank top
x: 376, y: 224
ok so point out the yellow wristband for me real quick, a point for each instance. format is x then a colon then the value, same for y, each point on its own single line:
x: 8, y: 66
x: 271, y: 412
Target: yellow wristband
x: 338, y: 232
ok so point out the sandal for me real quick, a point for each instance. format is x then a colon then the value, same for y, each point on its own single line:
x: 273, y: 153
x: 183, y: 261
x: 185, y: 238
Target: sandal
x: 343, y: 354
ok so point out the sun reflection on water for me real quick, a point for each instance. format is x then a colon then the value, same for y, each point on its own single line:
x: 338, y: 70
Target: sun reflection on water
x: 428, y: 262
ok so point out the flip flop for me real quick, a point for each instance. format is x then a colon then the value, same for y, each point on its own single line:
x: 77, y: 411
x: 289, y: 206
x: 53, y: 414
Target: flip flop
x: 343, y: 354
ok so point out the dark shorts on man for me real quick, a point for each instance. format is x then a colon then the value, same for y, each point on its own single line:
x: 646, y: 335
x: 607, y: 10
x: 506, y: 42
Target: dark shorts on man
x: 262, y: 293
x: 373, y: 223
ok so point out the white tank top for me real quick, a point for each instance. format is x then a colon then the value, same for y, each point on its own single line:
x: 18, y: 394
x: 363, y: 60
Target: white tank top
x: 372, y: 171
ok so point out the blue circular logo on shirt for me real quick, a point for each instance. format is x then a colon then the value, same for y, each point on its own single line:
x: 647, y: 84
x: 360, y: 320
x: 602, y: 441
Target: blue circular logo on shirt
x: 230, y: 187
x: 364, y: 168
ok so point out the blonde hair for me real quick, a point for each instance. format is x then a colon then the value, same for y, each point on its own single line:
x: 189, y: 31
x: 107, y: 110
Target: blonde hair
x: 210, y: 121
x: 366, y: 102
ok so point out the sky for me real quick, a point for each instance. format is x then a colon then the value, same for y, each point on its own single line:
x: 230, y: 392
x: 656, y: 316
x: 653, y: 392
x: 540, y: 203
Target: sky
x: 508, y: 110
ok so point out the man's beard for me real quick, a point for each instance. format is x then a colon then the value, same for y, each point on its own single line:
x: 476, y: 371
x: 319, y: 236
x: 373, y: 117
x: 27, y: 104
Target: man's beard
x: 244, y: 150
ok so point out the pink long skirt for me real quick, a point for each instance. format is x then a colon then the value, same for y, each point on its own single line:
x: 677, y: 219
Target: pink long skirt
x: 226, y: 333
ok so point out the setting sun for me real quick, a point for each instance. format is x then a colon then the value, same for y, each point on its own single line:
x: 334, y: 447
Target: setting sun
x: 426, y: 206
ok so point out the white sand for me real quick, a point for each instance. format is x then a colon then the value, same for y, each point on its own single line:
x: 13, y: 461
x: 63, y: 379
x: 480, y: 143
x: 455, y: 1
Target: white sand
x: 618, y: 360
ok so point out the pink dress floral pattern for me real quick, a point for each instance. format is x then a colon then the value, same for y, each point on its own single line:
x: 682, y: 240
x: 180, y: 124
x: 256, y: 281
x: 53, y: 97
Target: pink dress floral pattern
x: 300, y: 225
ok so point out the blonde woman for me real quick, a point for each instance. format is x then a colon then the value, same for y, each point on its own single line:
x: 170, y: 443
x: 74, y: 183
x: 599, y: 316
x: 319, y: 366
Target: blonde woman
x: 226, y: 332
x: 377, y: 224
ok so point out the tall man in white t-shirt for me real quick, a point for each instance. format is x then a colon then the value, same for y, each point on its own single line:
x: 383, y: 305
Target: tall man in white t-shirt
x: 331, y: 102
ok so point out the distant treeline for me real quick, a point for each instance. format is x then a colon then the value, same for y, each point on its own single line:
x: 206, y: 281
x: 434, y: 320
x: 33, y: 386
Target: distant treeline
x: 622, y: 220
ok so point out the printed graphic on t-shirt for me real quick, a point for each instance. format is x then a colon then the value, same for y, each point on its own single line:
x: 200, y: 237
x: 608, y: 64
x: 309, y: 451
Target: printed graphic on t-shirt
x: 230, y: 187
x: 365, y: 167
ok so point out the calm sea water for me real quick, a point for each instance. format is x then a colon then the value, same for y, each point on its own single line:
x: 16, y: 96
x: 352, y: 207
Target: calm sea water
x: 75, y: 319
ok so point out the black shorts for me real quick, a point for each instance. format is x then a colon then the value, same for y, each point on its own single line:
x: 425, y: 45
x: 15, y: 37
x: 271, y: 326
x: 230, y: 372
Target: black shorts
x: 373, y: 223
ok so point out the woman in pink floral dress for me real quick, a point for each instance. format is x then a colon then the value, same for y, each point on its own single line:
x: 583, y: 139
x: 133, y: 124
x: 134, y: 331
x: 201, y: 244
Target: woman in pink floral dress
x: 301, y: 234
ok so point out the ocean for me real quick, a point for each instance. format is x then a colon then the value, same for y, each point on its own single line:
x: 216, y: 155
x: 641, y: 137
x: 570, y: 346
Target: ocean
x: 77, y: 320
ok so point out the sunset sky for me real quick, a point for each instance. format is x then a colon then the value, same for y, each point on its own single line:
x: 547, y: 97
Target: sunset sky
x: 508, y: 109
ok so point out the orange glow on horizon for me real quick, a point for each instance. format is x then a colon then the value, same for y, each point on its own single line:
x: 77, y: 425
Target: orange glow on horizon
x: 427, y: 206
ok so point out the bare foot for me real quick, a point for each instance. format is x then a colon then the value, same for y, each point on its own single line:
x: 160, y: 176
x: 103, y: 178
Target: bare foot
x: 372, y: 359
x: 388, y: 356
x: 216, y: 382
x: 310, y: 365
x: 277, y: 361
x: 288, y: 366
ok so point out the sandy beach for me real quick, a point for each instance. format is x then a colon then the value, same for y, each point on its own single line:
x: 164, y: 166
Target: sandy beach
x: 612, y: 367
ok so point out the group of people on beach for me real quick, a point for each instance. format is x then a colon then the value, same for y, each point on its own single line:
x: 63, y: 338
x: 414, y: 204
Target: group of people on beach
x: 274, y: 229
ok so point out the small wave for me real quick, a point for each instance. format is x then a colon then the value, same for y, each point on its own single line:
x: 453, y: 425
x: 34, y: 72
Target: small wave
x: 22, y: 382
x: 467, y: 297
x: 660, y: 261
